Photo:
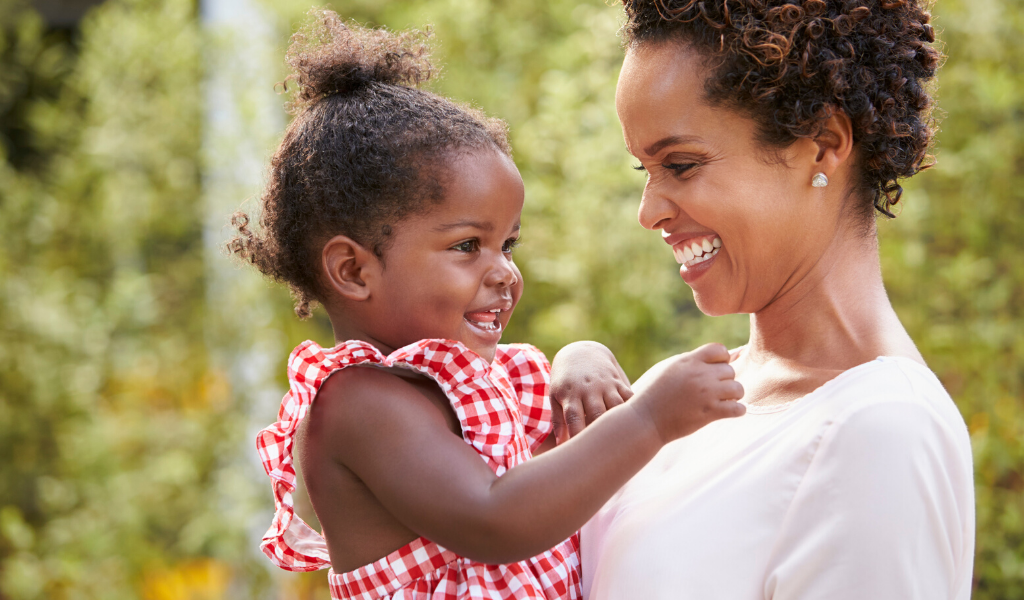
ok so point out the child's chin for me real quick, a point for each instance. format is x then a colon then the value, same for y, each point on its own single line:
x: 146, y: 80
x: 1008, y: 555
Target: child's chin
x: 482, y: 341
x: 486, y: 352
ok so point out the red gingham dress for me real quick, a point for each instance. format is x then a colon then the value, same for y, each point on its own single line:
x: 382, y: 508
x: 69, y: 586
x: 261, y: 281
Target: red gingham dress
x: 504, y: 412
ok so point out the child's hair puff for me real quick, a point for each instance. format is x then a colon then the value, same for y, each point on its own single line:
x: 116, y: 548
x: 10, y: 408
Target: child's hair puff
x: 366, y: 149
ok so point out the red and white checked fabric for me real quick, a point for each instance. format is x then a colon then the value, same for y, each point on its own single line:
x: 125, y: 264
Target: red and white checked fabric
x: 505, y: 414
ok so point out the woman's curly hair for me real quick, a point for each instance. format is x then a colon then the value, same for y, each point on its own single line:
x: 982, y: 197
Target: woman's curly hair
x: 791, y: 63
x: 366, y: 148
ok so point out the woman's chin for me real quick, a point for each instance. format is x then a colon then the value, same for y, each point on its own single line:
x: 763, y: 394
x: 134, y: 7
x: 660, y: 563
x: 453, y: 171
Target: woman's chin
x: 713, y: 305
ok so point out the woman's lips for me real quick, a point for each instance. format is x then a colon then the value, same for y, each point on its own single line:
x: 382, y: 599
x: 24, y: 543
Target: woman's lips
x: 696, y: 255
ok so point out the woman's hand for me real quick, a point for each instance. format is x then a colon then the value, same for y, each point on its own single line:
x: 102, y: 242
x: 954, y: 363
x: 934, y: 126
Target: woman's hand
x: 586, y: 381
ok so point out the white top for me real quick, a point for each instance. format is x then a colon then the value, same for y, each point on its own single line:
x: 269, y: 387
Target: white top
x: 860, y: 489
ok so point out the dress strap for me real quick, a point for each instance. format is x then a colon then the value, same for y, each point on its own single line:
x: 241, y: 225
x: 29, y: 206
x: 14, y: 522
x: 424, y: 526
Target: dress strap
x: 482, y: 395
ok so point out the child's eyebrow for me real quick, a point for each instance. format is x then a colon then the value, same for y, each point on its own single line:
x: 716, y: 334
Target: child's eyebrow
x: 484, y: 225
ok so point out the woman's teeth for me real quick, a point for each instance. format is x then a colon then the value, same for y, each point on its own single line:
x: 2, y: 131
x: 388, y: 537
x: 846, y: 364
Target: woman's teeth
x: 693, y: 253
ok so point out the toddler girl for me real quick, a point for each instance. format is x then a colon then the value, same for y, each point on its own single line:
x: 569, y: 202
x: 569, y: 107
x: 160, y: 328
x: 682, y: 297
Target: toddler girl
x: 418, y: 434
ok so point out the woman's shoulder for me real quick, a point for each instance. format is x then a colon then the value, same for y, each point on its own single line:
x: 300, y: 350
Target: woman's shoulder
x: 891, y: 380
x: 891, y: 401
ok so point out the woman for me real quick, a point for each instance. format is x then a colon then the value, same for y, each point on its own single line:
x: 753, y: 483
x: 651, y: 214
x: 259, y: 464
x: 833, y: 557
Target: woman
x: 771, y: 132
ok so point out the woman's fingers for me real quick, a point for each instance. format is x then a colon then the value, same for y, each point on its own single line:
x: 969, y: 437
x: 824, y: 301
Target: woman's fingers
x: 571, y: 415
x: 594, y: 406
x: 613, y: 399
x: 574, y: 416
x: 625, y: 392
x: 558, y: 429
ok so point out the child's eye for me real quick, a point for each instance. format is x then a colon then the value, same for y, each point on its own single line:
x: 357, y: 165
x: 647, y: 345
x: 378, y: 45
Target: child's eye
x: 510, y: 245
x: 466, y: 246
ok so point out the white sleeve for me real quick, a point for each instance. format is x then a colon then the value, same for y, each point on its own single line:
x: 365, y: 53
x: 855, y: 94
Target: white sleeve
x: 885, y: 511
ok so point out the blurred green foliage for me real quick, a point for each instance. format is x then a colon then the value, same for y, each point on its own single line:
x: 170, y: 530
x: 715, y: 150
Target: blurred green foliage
x: 120, y: 434
x: 954, y: 267
x: 113, y: 427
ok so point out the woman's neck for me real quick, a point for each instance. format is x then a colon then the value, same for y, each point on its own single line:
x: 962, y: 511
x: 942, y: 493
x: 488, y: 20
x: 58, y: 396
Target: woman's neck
x: 836, y: 317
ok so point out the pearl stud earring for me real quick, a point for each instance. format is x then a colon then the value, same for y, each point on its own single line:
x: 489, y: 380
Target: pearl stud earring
x: 819, y: 180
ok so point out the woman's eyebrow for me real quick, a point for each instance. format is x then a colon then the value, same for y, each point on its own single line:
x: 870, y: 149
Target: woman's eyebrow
x: 669, y: 141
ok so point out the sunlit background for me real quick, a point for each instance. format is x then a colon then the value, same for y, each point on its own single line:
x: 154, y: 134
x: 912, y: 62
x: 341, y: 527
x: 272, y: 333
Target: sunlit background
x: 137, y: 361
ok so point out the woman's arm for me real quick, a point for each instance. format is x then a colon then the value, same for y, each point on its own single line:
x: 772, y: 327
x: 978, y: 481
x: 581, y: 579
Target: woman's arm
x: 885, y: 511
x: 397, y: 442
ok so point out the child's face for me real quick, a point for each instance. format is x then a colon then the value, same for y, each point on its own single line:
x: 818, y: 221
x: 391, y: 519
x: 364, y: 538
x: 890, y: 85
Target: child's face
x: 449, y: 272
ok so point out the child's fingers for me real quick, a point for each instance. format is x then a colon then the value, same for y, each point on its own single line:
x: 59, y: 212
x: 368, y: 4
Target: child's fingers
x: 731, y: 390
x: 724, y: 371
x: 728, y: 409
x: 712, y: 353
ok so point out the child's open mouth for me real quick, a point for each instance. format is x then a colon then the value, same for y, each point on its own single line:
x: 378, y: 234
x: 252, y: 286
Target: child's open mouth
x: 484, y: 320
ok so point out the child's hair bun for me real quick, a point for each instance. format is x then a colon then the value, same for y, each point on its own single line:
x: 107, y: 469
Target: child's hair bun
x: 330, y: 57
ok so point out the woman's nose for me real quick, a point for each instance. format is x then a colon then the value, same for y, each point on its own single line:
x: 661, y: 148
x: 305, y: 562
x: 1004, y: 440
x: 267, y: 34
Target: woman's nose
x: 656, y: 211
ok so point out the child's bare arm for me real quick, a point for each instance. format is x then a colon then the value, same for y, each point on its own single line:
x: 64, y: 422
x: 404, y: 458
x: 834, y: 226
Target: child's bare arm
x: 398, y: 443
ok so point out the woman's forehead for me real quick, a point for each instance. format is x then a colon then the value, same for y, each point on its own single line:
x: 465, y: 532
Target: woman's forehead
x: 660, y: 100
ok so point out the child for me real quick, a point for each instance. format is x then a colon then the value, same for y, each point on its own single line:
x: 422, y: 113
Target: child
x: 398, y: 210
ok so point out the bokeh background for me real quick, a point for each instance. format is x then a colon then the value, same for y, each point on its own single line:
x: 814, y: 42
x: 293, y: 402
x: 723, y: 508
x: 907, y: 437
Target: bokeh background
x: 137, y: 361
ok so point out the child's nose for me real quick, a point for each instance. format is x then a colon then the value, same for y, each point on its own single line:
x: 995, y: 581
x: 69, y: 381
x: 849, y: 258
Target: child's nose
x: 502, y: 274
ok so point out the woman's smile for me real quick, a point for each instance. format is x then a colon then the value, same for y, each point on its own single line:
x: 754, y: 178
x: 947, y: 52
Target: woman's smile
x: 695, y: 252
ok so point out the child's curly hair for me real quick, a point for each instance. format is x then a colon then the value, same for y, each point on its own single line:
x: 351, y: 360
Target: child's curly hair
x: 791, y: 63
x: 366, y: 149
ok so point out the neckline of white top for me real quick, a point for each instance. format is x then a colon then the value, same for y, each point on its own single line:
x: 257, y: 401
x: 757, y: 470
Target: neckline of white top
x: 774, y: 408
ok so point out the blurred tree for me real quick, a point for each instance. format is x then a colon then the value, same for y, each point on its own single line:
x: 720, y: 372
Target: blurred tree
x: 955, y: 269
x: 114, y: 430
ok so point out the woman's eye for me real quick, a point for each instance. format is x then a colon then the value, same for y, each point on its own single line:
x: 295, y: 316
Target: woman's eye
x: 466, y: 246
x: 639, y: 167
x: 510, y: 245
x: 679, y: 168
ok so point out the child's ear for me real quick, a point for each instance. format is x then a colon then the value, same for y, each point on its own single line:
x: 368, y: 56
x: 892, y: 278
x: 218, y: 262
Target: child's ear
x: 350, y: 267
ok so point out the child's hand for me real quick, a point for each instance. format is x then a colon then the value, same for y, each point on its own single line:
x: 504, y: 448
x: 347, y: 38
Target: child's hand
x: 586, y: 381
x: 685, y: 392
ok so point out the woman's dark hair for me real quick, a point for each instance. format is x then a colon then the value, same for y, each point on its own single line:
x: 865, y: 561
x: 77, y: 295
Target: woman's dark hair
x: 366, y: 148
x: 790, y: 64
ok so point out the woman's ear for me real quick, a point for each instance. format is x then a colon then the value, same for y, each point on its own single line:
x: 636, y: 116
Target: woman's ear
x: 350, y: 268
x: 834, y: 143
